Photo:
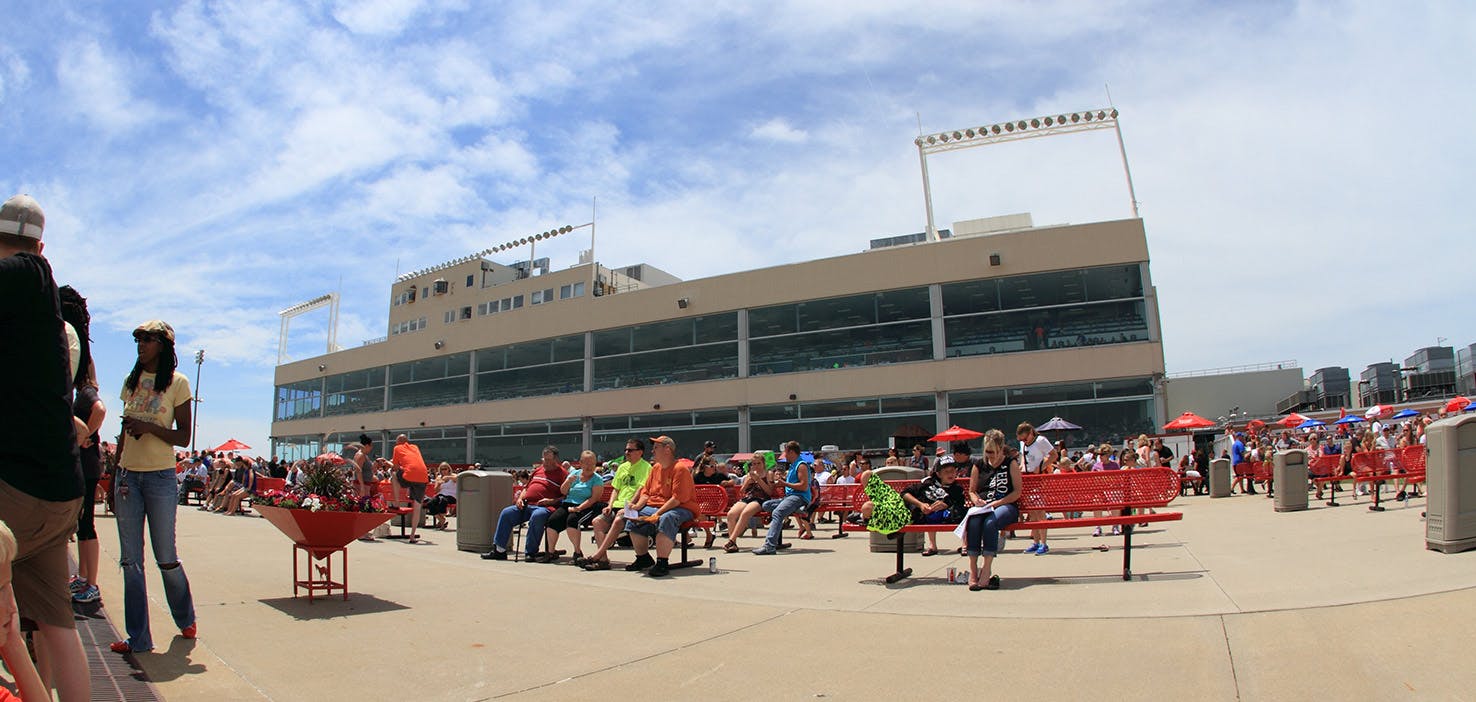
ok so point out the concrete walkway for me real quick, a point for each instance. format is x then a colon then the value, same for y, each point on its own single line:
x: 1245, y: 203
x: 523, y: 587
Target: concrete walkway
x: 1234, y: 602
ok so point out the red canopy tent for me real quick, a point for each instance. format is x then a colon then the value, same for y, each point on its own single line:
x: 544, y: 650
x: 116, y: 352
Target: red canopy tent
x: 231, y: 445
x: 1456, y: 404
x: 1188, y: 420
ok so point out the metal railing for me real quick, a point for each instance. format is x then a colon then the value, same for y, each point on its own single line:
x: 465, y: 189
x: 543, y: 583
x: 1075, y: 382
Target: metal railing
x: 1227, y: 370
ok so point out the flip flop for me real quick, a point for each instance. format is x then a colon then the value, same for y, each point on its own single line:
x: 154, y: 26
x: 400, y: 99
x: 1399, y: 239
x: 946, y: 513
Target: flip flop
x: 730, y: 547
x: 930, y: 552
x: 597, y: 565
x: 993, y: 583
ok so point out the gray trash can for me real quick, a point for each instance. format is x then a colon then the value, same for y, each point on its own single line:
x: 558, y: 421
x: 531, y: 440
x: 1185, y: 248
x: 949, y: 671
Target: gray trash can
x: 480, y: 497
x: 1289, y: 480
x: 1219, y: 477
x: 1450, y: 479
x: 881, y: 543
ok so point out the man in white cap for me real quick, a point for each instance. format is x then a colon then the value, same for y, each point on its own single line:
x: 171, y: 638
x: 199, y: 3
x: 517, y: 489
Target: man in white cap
x: 40, y: 476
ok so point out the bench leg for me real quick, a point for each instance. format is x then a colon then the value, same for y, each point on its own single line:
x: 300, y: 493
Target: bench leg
x: 901, y: 572
x: 840, y: 523
x: 1332, y: 494
x: 1376, y: 487
x: 1127, y: 548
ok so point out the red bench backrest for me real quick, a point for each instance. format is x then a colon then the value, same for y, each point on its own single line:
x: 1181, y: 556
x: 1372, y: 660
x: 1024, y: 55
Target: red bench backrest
x: 264, y: 484
x: 1091, y: 490
x: 1380, y: 462
x: 712, y: 501
x: 1100, y: 490
x: 848, y: 497
x: 1412, y: 460
x: 1324, y: 466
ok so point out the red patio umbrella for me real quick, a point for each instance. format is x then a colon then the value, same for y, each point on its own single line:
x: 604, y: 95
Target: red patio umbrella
x: 231, y: 445
x: 1456, y: 404
x: 1188, y: 420
x: 1256, y: 425
x: 1291, y: 421
x: 956, y: 433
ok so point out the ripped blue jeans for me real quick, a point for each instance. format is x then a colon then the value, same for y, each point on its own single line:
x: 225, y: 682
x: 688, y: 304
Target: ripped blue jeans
x: 151, y: 496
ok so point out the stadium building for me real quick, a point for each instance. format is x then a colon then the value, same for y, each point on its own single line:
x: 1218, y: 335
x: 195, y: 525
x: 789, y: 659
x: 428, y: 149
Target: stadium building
x: 996, y: 323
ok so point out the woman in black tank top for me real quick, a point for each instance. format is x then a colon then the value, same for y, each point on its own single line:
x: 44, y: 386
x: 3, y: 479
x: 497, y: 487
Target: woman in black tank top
x: 996, y: 487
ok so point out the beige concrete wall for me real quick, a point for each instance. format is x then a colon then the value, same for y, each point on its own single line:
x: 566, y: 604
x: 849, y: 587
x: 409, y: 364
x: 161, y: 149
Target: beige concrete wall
x: 1031, y: 251
x: 1214, y: 395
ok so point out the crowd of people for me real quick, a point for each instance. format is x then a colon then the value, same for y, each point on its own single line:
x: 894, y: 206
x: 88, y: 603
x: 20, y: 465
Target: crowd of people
x: 1259, y: 443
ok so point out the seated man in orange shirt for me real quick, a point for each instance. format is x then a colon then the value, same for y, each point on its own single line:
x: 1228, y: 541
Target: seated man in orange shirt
x: 668, y: 500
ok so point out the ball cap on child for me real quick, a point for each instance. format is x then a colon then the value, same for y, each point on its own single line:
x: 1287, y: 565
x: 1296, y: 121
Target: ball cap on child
x: 21, y: 215
x: 155, y: 326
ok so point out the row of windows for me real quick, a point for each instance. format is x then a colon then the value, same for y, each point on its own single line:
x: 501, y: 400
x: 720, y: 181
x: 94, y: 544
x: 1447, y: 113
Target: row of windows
x: 1107, y: 411
x: 408, y: 326
x: 1005, y: 315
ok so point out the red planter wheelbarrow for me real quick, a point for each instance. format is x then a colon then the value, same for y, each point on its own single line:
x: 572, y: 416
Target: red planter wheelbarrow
x: 316, y: 536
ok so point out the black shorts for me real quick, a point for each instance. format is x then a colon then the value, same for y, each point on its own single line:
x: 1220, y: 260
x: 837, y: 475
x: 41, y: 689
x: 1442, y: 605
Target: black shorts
x: 417, y: 490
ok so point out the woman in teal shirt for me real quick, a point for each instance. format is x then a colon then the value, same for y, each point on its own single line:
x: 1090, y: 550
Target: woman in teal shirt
x: 582, y: 502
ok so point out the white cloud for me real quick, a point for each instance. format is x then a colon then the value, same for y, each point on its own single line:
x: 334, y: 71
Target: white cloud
x: 376, y: 16
x: 99, y: 87
x: 778, y: 129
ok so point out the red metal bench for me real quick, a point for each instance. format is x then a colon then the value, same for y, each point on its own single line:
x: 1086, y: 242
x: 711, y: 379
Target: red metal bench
x: 1377, y: 467
x: 386, y: 491
x: 1120, y: 491
x: 1327, y: 469
x: 841, y: 500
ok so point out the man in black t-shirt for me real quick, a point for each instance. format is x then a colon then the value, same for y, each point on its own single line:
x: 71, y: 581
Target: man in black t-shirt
x: 1165, y: 454
x: 40, y: 477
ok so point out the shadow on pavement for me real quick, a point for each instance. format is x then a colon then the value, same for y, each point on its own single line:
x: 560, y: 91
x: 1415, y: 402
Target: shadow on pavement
x: 331, y: 607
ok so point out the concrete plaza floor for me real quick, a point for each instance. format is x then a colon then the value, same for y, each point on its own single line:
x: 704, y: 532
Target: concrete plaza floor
x: 1234, y: 602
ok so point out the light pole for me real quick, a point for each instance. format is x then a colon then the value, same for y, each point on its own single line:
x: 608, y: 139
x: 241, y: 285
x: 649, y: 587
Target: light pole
x: 195, y: 416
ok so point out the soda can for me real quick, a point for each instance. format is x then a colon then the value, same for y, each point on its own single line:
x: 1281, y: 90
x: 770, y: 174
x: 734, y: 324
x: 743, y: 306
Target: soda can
x: 712, y: 565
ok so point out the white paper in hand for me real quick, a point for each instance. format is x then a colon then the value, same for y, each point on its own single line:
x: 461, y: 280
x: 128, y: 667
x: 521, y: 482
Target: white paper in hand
x: 959, y: 530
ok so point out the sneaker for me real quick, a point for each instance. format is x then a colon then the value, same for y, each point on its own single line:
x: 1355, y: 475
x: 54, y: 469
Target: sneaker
x: 76, y: 585
x: 494, y: 555
x: 641, y: 563
x: 1043, y: 550
x: 1033, y: 547
x: 86, y: 595
x: 765, y: 550
x: 659, y: 570
x: 1400, y: 496
x: 189, y: 631
x: 1097, y: 531
x: 1117, y: 531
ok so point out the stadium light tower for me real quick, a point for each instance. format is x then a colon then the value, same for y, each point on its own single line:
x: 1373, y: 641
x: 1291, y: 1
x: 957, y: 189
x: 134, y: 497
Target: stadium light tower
x: 1049, y: 125
x: 330, y: 301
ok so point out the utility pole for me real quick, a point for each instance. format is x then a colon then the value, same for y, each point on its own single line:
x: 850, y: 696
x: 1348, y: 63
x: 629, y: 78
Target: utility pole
x: 195, y: 416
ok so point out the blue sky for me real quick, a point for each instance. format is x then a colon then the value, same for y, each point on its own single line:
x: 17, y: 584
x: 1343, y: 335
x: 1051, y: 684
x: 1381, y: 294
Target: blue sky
x: 211, y: 163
